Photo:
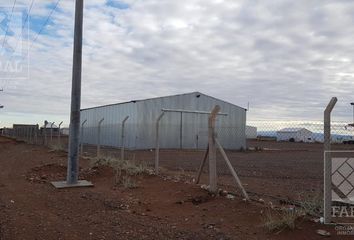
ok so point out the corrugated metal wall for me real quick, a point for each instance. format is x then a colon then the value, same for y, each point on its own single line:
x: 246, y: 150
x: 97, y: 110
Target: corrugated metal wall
x: 111, y: 126
x: 140, y: 130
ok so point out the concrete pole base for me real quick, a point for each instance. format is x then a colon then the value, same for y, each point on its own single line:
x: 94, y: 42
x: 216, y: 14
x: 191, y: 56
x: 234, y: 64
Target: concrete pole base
x: 64, y: 184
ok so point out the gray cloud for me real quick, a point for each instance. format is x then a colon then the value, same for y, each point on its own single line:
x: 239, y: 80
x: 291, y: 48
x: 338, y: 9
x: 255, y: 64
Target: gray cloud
x: 288, y: 58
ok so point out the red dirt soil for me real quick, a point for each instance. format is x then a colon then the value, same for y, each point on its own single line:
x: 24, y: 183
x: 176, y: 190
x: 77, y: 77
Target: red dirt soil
x: 159, y: 208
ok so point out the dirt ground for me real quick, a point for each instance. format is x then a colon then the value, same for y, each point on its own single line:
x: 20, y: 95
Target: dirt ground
x: 161, y: 207
x: 279, y: 169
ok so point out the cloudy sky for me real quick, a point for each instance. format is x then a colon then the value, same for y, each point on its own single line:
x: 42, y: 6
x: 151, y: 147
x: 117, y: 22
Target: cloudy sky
x: 287, y: 58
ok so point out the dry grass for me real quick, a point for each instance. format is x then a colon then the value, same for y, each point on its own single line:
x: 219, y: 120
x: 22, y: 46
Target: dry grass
x: 125, y: 170
x: 57, y: 147
x: 128, y: 182
x: 312, y: 204
x: 280, y: 220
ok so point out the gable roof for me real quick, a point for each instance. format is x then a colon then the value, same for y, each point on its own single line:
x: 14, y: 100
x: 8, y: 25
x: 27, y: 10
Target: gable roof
x: 292, y: 130
x: 49, y: 124
x: 176, y: 95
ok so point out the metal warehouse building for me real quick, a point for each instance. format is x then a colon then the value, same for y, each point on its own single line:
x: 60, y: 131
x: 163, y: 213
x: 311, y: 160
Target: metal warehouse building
x: 295, y: 135
x: 180, y: 127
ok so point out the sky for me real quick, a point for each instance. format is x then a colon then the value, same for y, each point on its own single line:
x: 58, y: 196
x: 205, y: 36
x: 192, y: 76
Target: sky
x: 285, y: 58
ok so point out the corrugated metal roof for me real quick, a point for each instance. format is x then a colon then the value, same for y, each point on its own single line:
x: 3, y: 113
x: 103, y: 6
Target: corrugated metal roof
x: 134, y: 101
x: 292, y: 129
x: 49, y: 125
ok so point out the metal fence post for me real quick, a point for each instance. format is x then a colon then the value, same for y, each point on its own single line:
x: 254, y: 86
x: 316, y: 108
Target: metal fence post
x: 122, y: 149
x: 26, y: 134
x: 59, y: 143
x: 36, y: 134
x: 212, y: 149
x: 232, y: 170
x: 157, y: 150
x: 327, y: 161
x: 82, y: 138
x: 45, y: 132
x: 51, y: 132
x: 29, y: 134
x: 99, y: 138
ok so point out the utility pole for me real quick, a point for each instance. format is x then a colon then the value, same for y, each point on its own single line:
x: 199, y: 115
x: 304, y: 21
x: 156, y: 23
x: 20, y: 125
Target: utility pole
x: 74, y: 129
x: 353, y: 111
x: 1, y: 106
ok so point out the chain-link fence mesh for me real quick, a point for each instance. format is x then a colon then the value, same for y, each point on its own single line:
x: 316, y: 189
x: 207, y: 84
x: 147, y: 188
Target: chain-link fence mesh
x: 277, y: 158
x: 282, y: 159
x: 32, y: 134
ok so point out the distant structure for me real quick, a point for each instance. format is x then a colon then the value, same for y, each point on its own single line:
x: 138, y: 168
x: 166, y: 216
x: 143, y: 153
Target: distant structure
x: 49, y: 126
x: 64, y: 131
x: 184, y: 124
x: 251, y: 132
x: 335, y: 138
x: 21, y: 129
x: 294, y: 135
x: 18, y: 128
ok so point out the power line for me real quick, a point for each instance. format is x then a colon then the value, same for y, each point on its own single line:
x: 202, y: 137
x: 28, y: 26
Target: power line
x: 42, y: 27
x: 1, y: 106
x: 23, y: 25
x: 8, y: 24
x: 28, y: 13
x: 45, y: 23
x: 19, y: 38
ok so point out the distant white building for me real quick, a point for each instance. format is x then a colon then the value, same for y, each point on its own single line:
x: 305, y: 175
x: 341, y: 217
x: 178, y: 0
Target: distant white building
x: 50, y: 125
x: 64, y: 131
x: 335, y: 138
x: 251, y: 132
x: 294, y: 135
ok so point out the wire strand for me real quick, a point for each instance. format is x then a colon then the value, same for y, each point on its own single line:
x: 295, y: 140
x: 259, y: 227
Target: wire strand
x: 45, y: 23
x: 7, y: 27
x: 39, y: 32
x: 28, y: 13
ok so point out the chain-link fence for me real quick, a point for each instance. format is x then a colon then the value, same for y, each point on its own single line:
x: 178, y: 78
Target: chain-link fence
x: 282, y: 158
x: 288, y: 156
x: 274, y: 158
x: 48, y: 135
